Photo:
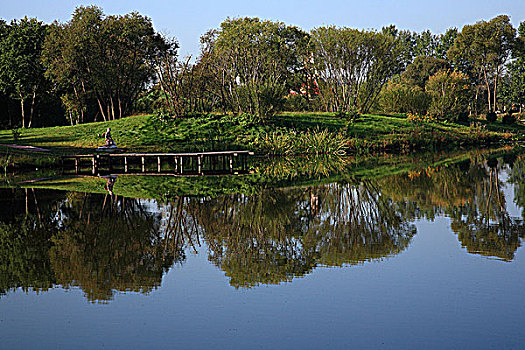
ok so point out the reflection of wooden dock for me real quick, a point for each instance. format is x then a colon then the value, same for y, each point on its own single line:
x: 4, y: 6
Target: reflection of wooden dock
x: 196, y: 163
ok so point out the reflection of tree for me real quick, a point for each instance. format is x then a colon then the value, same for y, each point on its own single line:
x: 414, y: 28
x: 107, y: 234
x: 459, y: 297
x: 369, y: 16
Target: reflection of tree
x: 483, y: 224
x: 98, y: 243
x: 23, y: 256
x: 471, y: 194
x: 105, y: 243
x: 25, y: 241
x: 109, y: 243
x: 255, y: 239
x: 356, y: 224
x: 281, y: 234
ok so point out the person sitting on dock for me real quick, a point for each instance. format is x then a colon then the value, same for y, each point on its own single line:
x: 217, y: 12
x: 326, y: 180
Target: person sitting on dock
x: 108, y: 139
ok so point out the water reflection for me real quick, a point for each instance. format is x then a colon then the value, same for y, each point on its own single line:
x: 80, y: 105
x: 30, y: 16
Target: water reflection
x: 104, y: 243
x: 98, y: 243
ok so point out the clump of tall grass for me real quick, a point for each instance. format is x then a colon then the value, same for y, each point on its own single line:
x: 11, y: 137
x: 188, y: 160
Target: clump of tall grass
x: 314, y: 141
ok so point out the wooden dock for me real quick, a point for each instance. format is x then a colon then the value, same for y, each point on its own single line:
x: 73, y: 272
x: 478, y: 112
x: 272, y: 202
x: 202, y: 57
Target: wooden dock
x: 177, y: 164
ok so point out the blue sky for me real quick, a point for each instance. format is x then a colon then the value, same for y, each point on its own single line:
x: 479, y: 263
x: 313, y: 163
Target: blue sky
x: 187, y: 20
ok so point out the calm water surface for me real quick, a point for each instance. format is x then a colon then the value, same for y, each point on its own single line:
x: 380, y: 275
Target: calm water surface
x: 430, y: 258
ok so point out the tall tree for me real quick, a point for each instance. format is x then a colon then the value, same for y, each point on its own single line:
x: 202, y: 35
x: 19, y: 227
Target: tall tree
x: 252, y: 60
x: 21, y: 71
x: 485, y: 47
x: 107, y: 58
x: 353, y: 65
x: 513, y: 87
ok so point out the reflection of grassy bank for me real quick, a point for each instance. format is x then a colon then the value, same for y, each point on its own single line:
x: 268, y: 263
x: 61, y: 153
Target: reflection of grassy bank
x: 11, y: 158
x: 273, y: 172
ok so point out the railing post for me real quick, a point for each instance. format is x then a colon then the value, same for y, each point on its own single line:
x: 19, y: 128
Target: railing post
x: 125, y: 164
x: 158, y: 164
x: 143, y: 167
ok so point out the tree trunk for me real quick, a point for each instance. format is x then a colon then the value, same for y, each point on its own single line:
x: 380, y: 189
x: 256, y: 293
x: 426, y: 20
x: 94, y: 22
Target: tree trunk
x: 101, y: 109
x: 23, y: 111
x: 31, y: 111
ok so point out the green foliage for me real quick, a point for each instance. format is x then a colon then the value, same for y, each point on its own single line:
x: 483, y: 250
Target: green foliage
x: 491, y: 117
x: 295, y: 103
x: 449, y: 91
x: 95, y: 70
x: 21, y: 70
x: 481, y: 50
x: 418, y: 72
x: 508, y: 118
x: 353, y: 66
x: 250, y: 61
x: 398, y: 96
x: 315, y: 141
x: 512, y: 90
x: 349, y: 116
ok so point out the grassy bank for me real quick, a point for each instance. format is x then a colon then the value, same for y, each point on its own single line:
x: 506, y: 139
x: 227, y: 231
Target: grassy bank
x: 287, y: 133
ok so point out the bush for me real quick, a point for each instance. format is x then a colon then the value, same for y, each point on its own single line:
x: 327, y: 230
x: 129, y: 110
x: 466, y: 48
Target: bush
x: 491, y: 117
x: 295, y: 103
x: 403, y: 98
x: 449, y: 90
x: 350, y: 115
x: 508, y: 119
x: 462, y: 117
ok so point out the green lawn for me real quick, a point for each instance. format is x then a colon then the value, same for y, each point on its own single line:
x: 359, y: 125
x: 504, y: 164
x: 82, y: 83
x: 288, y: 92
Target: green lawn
x: 368, y: 133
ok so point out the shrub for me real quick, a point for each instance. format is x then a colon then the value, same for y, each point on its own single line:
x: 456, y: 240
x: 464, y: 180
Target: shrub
x: 314, y: 141
x: 295, y: 103
x: 16, y: 133
x: 350, y: 115
x: 449, y: 90
x: 491, y: 117
x: 419, y: 119
x: 462, y: 117
x: 508, y: 119
x: 403, y: 98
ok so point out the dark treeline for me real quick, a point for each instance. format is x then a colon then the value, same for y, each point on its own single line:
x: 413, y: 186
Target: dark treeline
x: 99, y: 67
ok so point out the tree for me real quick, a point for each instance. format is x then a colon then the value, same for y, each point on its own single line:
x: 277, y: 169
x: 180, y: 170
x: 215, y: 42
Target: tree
x: 484, y: 48
x: 352, y: 66
x: 109, y: 59
x: 449, y: 90
x: 252, y: 60
x: 21, y: 71
x: 445, y: 42
x: 423, y: 67
x: 184, y: 86
x: 513, y: 84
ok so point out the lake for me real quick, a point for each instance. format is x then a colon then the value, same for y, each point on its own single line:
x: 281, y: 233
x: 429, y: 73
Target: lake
x: 386, y: 252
